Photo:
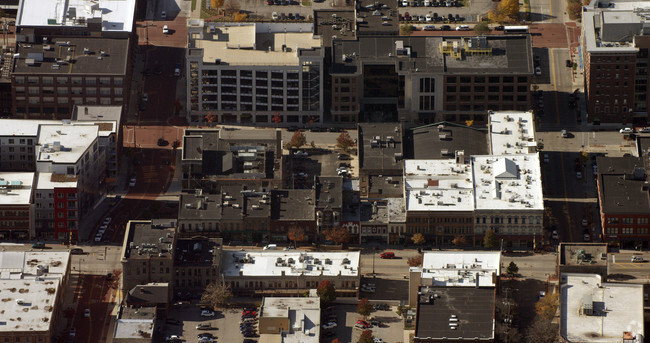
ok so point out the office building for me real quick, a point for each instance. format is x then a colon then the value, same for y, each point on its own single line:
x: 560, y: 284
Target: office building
x: 290, y: 320
x: 261, y: 73
x: 615, y: 44
x: 16, y: 205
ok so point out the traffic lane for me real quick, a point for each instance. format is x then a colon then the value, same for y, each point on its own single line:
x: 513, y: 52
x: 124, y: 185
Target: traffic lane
x: 93, y: 296
x: 160, y: 84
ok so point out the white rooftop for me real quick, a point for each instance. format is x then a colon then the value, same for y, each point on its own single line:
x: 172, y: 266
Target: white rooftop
x: 22, y: 127
x: 303, y: 314
x: 449, y: 268
x: 508, y: 182
x: 28, y: 298
x: 18, y: 186
x: 618, y: 308
x: 44, y: 181
x: 512, y: 132
x: 438, y: 185
x: 277, y: 263
x: 115, y: 15
x: 65, y: 143
x: 29, y: 127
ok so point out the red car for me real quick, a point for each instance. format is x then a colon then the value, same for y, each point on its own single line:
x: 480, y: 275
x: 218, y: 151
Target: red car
x: 363, y: 323
x: 249, y: 313
x: 387, y: 254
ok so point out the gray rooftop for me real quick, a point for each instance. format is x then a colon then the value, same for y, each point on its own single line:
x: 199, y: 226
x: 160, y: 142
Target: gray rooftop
x: 611, y: 26
x: 146, y: 239
x: 381, y: 146
x: 233, y: 202
x: 583, y: 254
x: 472, y: 307
x: 329, y: 192
x: 40, y: 58
x: 152, y: 293
x: 292, y: 204
x: 441, y: 140
x: 379, y: 18
x: 622, y: 181
x: 198, y: 251
x: 510, y: 54
x: 329, y: 23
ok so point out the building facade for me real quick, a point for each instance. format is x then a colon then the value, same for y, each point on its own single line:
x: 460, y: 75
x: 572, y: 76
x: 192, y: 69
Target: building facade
x: 16, y: 205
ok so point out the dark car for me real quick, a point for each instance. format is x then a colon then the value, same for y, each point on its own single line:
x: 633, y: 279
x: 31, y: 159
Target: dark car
x: 457, y: 17
x: 290, y: 16
x: 283, y: 16
x: 162, y: 142
x: 445, y: 27
x: 569, y: 64
x: 250, y: 334
x: 173, y: 321
x: 77, y: 251
x: 206, y: 335
x: 499, y: 28
x: 38, y: 245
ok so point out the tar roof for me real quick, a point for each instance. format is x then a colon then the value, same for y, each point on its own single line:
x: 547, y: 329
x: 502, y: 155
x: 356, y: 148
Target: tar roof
x: 461, y: 268
x: 65, y: 143
x: 510, y: 54
x: 292, y: 204
x: 146, y: 239
x: 455, y: 312
x: 334, y: 23
x: 441, y: 140
x: 197, y: 251
x: 18, y: 186
x: 622, y: 181
x: 329, y: 192
x: 291, y: 263
x: 381, y: 147
x: 114, y: 16
x: 67, y: 56
x: 586, y: 254
x: 617, y: 308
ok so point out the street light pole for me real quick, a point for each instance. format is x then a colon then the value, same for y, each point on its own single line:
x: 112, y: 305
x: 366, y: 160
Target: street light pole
x: 373, y: 261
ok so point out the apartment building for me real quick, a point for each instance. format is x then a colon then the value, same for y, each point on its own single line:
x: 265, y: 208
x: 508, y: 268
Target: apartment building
x: 71, y: 53
x: 147, y: 252
x: 261, y: 73
x: 16, y: 205
x: 35, y: 284
x: 290, y: 273
x: 108, y: 118
x: 615, y: 45
x: 426, y: 79
x: 57, y: 207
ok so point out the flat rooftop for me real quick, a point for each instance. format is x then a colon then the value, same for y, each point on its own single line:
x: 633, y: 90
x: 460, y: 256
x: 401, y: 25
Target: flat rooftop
x: 22, y: 127
x: 610, y: 26
x: 460, y: 268
x: 114, y: 15
x: 382, y: 146
x: 29, y: 298
x: 51, y: 181
x: 438, y: 185
x: 65, y: 143
x: 290, y: 263
x: 99, y: 115
x: 303, y: 314
x: 134, y: 323
x: 292, y: 204
x: 472, y: 309
x: 67, y: 56
x: 146, y: 239
x: 512, y: 132
x: 329, y: 23
x: 329, y: 192
x: 441, y: 140
x: 617, y: 308
x: 197, y: 252
x: 509, y: 54
x: 19, y: 188
x: 591, y: 254
x: 254, y: 43
x: 621, y: 182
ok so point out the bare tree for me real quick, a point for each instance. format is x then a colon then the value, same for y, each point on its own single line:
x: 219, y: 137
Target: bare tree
x: 216, y: 295
x: 541, y: 331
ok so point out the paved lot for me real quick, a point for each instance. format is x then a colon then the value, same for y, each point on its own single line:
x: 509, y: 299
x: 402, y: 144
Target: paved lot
x: 391, y: 329
x: 225, y: 323
x: 470, y: 12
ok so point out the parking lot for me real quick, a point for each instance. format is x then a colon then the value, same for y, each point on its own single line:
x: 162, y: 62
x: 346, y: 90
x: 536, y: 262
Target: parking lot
x: 225, y: 324
x: 391, y: 329
x: 318, y: 162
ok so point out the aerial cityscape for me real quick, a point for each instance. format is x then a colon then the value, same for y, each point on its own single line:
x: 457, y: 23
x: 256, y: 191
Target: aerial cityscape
x: 336, y: 171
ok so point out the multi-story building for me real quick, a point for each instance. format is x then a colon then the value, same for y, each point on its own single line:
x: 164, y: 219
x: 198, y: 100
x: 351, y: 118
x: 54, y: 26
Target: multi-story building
x: 262, y: 73
x: 16, y: 205
x: 615, y: 45
x: 71, y: 53
x: 148, y: 252
x: 290, y: 319
x: 623, y: 198
x: 57, y: 207
x: 290, y: 273
x: 592, y: 310
x: 292, y: 209
x: 18, y: 139
x: 380, y: 160
x: 382, y: 221
x: 108, y: 118
x: 425, y: 79
x: 197, y: 263
x: 33, y: 287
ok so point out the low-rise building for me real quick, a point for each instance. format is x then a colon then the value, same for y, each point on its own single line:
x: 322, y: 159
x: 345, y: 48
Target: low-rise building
x: 290, y: 273
x: 135, y: 324
x: 592, y: 310
x: 380, y: 160
x: 197, y: 263
x: 147, y: 252
x: 17, y: 214
x: 33, y: 286
x: 292, y: 209
x: 156, y: 294
x: 290, y: 320
x: 584, y: 258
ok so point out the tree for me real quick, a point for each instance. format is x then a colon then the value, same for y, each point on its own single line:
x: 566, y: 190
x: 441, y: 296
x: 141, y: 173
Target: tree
x: 276, y: 118
x: 418, y: 239
x: 176, y: 144
x: 512, y: 268
x: 406, y: 30
x: 507, y: 11
x: 481, y: 28
x: 546, y: 306
x: 365, y: 337
x: 459, y: 240
x: 216, y: 295
x: 575, y: 10
x: 344, y: 141
x: 490, y: 239
x: 415, y: 261
x: 297, y: 140
x: 326, y: 291
x: 240, y: 16
x: 541, y: 331
x: 296, y: 234
x: 231, y: 6
x: 336, y: 340
x: 364, y: 307
x: 210, y: 118
x: 339, y: 235
x: 216, y: 3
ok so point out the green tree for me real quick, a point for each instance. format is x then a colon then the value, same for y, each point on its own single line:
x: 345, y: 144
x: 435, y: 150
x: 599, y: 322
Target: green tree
x: 326, y: 291
x: 364, y: 307
x: 216, y: 295
x: 490, y: 240
x: 297, y: 140
x: 512, y: 268
x: 481, y: 29
x: 418, y: 239
x: 365, y: 337
x: 406, y: 30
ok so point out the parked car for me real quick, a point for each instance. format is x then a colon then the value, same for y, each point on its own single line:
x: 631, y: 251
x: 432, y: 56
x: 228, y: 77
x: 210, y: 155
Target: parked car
x: 132, y: 181
x: 204, y: 326
x: 645, y: 130
x: 429, y: 28
x: 554, y: 235
x: 564, y: 134
x: 387, y: 254
x: 87, y: 313
x: 538, y: 71
x: 626, y: 130
x: 636, y: 259
x: 329, y: 325
x: 77, y: 251
x: 499, y: 28
x: 163, y: 15
x: 166, y: 30
x: 207, y: 313
x: 274, y: 16
x: 38, y: 245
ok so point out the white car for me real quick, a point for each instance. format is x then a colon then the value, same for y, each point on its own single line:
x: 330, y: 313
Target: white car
x: 626, y: 130
x: 207, y: 313
x: 554, y: 235
x: 173, y: 338
x: 644, y: 130
x: 584, y: 222
x: 107, y: 220
x: 87, y: 313
x: 98, y: 238
x: 301, y: 153
x: 405, y: 3
x: 428, y: 16
x: 377, y: 340
x: 578, y: 175
x: 462, y: 28
x: 586, y: 237
x: 538, y: 71
x: 329, y: 325
x: 274, y: 16
x: 165, y: 30
x: 132, y: 182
